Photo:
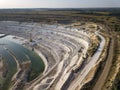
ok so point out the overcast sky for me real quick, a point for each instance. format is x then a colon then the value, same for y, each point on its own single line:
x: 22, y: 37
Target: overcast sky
x: 58, y: 3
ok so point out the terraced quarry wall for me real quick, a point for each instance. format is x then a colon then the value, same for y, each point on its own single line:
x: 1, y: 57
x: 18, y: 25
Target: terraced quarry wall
x: 64, y: 51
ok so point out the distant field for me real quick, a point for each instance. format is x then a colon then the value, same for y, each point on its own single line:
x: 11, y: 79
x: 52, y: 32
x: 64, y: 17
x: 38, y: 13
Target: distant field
x: 108, y: 17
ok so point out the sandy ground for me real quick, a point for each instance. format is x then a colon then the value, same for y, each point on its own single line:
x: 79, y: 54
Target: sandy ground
x: 105, y: 72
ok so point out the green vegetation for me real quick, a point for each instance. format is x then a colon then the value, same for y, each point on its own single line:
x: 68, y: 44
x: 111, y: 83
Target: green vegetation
x: 116, y: 82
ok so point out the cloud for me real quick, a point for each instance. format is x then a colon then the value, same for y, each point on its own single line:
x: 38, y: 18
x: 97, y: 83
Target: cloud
x: 58, y: 3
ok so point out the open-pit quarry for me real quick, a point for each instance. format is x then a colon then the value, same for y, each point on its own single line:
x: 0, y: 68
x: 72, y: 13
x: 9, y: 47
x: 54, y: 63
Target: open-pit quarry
x: 37, y: 56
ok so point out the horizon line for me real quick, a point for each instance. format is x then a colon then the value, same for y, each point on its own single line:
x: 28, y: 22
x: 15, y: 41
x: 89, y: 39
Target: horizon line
x: 62, y: 8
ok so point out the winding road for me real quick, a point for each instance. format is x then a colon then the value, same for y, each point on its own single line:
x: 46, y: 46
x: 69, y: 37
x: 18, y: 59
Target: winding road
x: 89, y: 66
x: 103, y: 76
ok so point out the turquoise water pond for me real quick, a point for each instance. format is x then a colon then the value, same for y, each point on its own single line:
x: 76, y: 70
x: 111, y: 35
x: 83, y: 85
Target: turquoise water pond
x: 22, y: 54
